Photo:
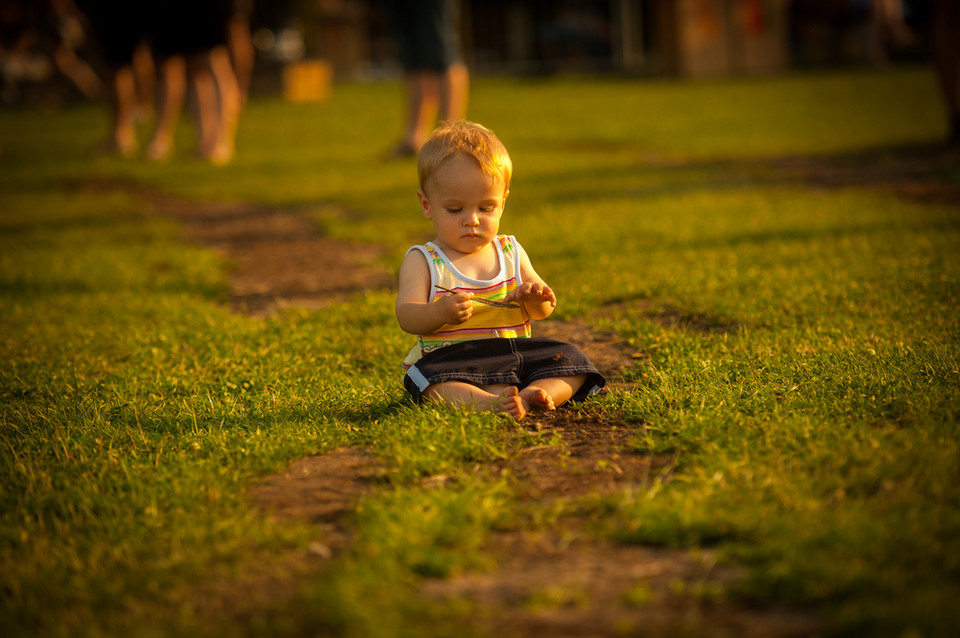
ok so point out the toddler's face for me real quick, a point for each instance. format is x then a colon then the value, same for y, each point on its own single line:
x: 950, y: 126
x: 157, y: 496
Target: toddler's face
x: 464, y: 204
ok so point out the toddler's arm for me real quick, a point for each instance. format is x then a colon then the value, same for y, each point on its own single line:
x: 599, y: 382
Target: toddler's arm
x: 416, y: 314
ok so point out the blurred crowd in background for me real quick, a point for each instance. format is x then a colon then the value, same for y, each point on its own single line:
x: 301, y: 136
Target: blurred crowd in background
x: 155, y: 57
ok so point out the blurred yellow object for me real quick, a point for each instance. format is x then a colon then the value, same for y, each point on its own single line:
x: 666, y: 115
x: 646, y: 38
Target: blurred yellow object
x: 307, y: 81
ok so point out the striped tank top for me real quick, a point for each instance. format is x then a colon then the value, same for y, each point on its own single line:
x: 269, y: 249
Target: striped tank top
x: 486, y: 322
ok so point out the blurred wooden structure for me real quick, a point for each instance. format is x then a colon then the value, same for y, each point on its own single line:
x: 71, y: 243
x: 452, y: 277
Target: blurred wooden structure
x: 719, y: 37
x: 686, y: 38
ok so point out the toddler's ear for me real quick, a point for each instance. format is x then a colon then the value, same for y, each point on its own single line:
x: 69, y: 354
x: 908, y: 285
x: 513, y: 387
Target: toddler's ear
x: 424, y: 203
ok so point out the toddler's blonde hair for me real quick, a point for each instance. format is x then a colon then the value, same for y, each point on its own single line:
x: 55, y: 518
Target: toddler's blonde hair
x: 469, y: 139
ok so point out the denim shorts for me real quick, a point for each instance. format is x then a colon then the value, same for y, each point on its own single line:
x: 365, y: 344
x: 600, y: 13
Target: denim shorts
x: 517, y: 362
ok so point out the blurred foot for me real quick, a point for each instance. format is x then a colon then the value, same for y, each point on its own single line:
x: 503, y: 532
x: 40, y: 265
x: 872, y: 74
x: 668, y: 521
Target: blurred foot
x: 159, y: 150
x: 121, y: 146
x: 403, y: 150
x: 221, y: 155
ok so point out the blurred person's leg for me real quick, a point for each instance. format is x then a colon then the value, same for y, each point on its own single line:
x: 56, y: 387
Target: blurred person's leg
x: 117, y: 29
x: 145, y: 76
x: 454, y: 92
x: 228, y: 101
x: 205, y: 102
x: 423, y: 99
x: 123, y: 103
x: 888, y: 30
x: 172, y: 93
x: 241, y: 52
x: 435, y: 80
x: 79, y: 72
x: 895, y: 23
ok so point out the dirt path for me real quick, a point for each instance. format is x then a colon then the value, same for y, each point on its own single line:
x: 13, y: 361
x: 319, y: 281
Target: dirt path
x: 560, y: 582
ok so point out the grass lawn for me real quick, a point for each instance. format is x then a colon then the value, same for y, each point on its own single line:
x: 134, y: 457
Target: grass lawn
x: 802, y: 233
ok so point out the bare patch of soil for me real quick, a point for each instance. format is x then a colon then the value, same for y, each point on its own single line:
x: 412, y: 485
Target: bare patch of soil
x: 909, y: 172
x: 322, y: 489
x: 581, y: 456
x: 550, y: 579
x: 590, y: 587
x: 563, y: 579
x: 280, y: 257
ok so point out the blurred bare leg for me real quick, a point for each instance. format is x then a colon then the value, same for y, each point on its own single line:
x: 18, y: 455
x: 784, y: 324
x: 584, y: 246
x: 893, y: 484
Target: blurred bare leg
x: 144, y: 74
x: 79, y: 72
x: 172, y: 92
x: 229, y: 102
x: 205, y: 102
x: 423, y: 93
x: 123, y: 101
x: 454, y: 92
x: 241, y: 53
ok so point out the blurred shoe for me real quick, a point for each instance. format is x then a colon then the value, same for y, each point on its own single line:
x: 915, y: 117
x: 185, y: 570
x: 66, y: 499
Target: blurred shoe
x: 403, y: 150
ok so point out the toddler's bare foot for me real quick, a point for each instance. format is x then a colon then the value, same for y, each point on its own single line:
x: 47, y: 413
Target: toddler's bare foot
x: 536, y: 399
x: 509, y: 402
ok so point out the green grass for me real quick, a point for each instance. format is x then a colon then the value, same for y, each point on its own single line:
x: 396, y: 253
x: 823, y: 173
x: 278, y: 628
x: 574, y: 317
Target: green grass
x: 808, y: 396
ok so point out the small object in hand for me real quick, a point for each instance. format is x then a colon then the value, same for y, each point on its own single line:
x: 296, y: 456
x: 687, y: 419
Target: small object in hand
x: 498, y: 304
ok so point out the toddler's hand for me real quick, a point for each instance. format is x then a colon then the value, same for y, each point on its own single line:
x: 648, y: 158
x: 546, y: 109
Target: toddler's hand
x: 532, y: 292
x: 456, y: 308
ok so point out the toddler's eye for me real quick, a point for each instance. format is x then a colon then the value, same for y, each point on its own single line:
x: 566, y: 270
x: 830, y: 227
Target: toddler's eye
x: 454, y: 210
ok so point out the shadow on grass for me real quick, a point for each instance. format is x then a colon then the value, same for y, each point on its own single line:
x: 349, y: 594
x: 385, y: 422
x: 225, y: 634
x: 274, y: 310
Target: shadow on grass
x: 920, y: 172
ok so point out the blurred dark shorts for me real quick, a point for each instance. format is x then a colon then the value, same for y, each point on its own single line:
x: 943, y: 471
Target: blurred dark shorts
x: 117, y: 27
x: 517, y: 362
x: 426, y: 32
x: 182, y: 27
x: 171, y: 26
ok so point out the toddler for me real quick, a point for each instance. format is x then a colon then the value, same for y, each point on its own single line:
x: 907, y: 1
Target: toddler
x: 470, y: 293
